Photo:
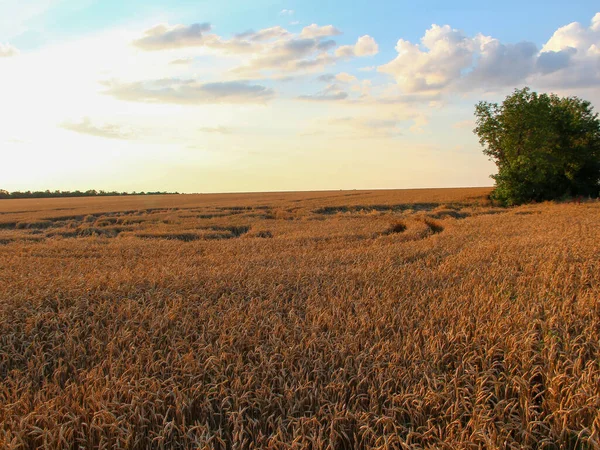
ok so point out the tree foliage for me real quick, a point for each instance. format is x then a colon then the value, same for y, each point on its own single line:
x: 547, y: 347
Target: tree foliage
x: 545, y: 146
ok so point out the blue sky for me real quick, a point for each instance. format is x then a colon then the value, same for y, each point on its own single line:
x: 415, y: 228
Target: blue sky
x: 264, y: 95
x: 386, y: 20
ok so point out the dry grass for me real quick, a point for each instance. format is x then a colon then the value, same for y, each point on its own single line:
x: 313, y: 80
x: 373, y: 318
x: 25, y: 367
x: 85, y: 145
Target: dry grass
x: 332, y: 320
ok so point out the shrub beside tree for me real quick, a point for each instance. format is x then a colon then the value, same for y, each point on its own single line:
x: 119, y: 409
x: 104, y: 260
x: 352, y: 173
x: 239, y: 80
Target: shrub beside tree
x: 546, y: 147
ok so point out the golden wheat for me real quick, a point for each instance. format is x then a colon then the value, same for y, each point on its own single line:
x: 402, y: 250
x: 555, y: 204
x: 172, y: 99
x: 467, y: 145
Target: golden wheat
x: 328, y: 320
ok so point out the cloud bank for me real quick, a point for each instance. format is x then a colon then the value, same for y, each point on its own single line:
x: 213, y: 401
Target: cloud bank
x: 446, y: 59
x: 190, y: 92
x: 272, y: 51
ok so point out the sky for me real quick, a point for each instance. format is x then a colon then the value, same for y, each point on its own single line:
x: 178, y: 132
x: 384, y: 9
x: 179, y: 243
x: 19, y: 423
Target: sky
x: 237, y: 96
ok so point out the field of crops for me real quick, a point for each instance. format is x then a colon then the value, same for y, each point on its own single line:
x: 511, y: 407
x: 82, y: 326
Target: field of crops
x: 317, y: 320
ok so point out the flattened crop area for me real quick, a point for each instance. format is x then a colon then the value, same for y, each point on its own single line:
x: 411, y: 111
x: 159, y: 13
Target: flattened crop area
x: 332, y: 320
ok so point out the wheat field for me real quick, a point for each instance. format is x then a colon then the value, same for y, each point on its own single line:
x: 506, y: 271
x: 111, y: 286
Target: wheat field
x: 319, y: 320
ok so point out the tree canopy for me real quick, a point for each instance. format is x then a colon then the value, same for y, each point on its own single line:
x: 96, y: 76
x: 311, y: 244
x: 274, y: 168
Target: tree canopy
x: 545, y: 146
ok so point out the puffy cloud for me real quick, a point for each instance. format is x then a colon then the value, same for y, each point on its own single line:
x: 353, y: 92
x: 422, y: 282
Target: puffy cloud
x: 274, y: 50
x: 290, y: 55
x: 190, y: 92
x: 443, y: 54
x: 7, y: 50
x: 571, y: 57
x: 365, y: 46
x: 109, y: 131
x: 345, y: 51
x: 501, y: 65
x: 447, y: 59
x: 315, y: 31
x: 575, y: 35
x: 170, y: 37
x: 551, y: 61
x: 162, y: 37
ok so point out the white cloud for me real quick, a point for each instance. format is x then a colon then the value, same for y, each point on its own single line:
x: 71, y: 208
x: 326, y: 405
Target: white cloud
x: 286, y: 12
x: 190, y: 92
x: 273, y: 50
x: 435, y: 63
x: 109, y: 131
x: 164, y: 36
x: 575, y: 35
x: 315, y: 31
x: 501, y: 64
x: 365, y: 46
x: 291, y: 54
x: 7, y: 50
x: 571, y: 57
x: 446, y: 59
x: 265, y: 34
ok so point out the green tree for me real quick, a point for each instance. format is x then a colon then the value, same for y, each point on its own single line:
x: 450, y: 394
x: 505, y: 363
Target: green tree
x: 546, y: 147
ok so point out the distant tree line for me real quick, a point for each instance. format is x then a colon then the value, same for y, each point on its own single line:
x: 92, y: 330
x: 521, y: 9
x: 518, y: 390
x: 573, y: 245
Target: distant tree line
x: 59, y: 194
